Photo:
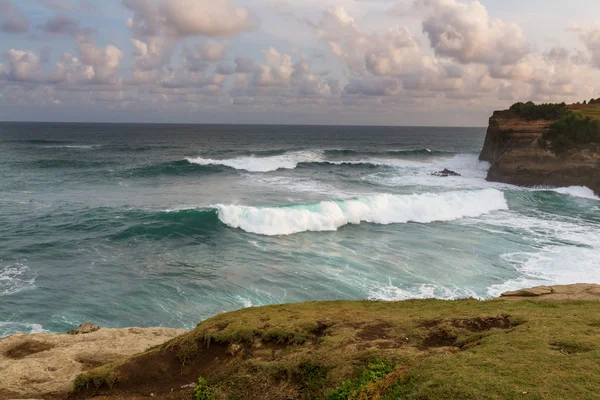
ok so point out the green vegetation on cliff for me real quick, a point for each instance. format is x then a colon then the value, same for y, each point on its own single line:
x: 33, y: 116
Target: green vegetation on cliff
x: 533, y: 111
x: 420, y: 349
x: 572, y: 127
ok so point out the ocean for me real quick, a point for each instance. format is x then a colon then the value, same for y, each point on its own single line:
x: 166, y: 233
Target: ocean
x: 167, y: 225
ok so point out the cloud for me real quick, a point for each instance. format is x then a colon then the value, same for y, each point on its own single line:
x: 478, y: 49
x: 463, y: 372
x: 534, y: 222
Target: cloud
x: 151, y: 53
x: 225, y: 69
x: 196, y: 58
x: 56, y: 4
x: 12, y: 19
x: 466, y: 33
x: 372, y: 86
x: 105, y: 62
x: 70, y: 70
x: 244, y: 65
x: 63, y: 25
x: 213, y: 18
x: 590, y: 36
x: 24, y: 66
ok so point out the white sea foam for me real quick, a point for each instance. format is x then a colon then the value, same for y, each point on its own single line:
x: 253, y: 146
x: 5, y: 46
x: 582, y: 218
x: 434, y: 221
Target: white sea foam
x: 9, y: 328
x: 390, y: 292
x: 263, y: 164
x: 578, y: 191
x: 16, y: 278
x: 380, y: 209
x: 552, y: 265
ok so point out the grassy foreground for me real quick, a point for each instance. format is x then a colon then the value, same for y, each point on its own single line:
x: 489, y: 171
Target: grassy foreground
x: 421, y: 349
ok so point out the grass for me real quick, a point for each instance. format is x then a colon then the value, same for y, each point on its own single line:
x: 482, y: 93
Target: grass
x: 425, y: 349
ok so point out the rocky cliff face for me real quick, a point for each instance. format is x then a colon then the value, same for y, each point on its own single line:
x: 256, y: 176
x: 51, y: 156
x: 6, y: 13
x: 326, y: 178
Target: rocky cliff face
x: 512, y: 150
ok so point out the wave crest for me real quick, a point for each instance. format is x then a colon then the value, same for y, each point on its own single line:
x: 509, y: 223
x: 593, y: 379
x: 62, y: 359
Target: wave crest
x: 379, y: 209
x: 263, y: 164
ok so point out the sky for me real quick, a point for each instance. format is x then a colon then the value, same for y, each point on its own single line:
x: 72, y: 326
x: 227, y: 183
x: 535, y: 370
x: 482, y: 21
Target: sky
x: 343, y: 62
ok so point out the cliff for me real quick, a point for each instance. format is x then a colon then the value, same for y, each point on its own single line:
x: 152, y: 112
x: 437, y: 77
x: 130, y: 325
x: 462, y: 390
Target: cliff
x: 545, y: 347
x: 511, y: 147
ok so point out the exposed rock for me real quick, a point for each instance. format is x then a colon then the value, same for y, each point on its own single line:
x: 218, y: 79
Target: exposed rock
x: 582, y: 291
x: 44, y: 365
x: 446, y: 172
x: 83, y: 329
x: 511, y: 147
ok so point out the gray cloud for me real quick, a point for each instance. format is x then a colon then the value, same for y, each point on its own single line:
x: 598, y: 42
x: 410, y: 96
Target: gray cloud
x: 63, y: 25
x: 12, y: 19
x: 590, y: 36
x: 56, y: 4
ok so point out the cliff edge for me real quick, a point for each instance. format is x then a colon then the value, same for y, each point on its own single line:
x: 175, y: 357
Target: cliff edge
x: 511, y: 147
x: 506, y: 348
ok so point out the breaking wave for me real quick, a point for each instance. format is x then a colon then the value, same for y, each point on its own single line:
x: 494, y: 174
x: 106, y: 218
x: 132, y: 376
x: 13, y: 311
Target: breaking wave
x: 379, y: 209
x: 263, y: 164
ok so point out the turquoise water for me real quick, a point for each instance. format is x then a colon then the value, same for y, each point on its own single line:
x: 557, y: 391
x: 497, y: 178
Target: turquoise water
x: 166, y: 225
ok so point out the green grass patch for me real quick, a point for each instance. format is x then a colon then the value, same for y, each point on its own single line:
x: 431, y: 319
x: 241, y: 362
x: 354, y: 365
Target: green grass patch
x: 424, y: 349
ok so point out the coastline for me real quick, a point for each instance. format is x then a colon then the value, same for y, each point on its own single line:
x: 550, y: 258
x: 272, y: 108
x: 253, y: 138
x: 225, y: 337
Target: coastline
x: 44, y: 366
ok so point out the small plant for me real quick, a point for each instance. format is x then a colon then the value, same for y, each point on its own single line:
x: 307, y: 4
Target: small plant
x: 380, y: 380
x: 543, y: 143
x: 202, y: 390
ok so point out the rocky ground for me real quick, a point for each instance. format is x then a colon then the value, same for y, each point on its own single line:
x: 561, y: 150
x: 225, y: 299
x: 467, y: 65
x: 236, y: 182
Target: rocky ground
x: 45, y: 365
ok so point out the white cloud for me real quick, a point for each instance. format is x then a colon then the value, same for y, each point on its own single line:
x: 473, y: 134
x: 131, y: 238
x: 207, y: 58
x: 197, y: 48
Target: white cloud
x: 214, y: 18
x: 465, y: 32
x: 105, y: 62
x: 24, y: 66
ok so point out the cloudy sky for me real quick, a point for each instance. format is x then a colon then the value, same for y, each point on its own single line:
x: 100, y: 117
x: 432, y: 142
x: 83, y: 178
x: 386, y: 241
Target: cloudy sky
x: 379, y: 62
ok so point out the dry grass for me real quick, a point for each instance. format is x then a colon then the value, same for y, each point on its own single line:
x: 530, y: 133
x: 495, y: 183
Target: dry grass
x: 463, y: 349
x: 588, y: 110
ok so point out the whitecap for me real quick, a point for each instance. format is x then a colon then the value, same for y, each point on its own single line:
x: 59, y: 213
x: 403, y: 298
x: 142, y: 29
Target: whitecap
x: 379, y: 209
x: 577, y: 191
x: 16, y: 278
x: 263, y: 164
x: 8, y: 328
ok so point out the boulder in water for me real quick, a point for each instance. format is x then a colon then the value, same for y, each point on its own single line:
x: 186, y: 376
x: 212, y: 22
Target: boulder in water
x: 445, y: 173
x: 82, y: 329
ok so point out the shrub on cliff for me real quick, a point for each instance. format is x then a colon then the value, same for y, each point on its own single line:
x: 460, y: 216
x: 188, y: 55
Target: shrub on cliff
x: 573, y: 129
x: 533, y: 111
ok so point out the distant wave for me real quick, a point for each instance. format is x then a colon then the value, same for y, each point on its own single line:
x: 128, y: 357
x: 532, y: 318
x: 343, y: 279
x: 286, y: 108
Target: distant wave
x: 288, y: 160
x: 391, y: 153
x: 182, y: 167
x: 293, y: 159
x: 379, y: 209
x: 69, y: 164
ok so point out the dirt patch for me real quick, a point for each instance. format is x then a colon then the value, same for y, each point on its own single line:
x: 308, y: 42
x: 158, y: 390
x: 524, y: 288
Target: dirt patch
x: 27, y: 349
x: 438, y: 338
x: 374, y: 332
x: 162, y: 372
x: 483, y: 324
x: 321, y: 329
